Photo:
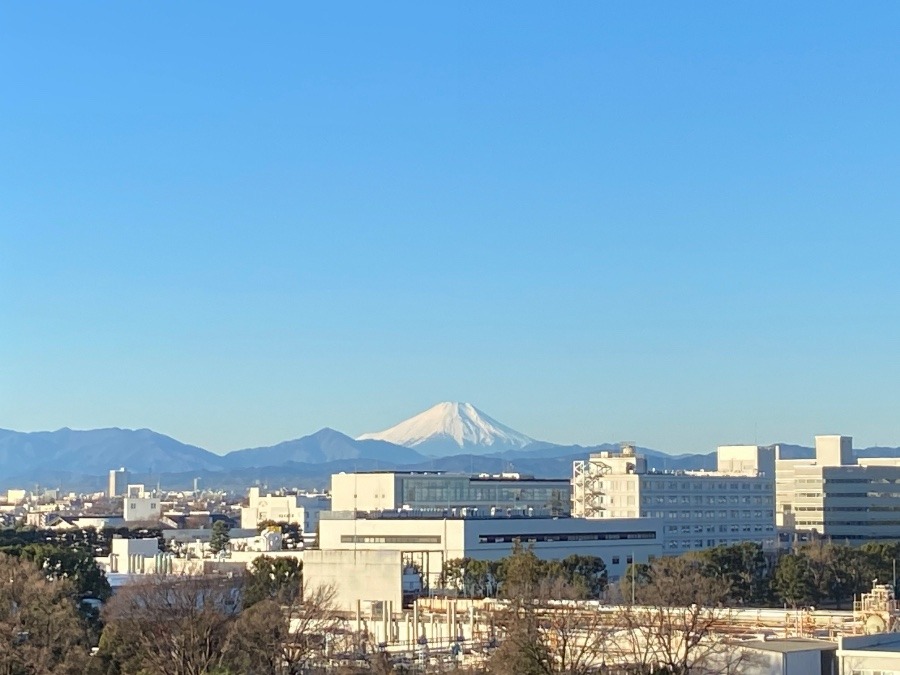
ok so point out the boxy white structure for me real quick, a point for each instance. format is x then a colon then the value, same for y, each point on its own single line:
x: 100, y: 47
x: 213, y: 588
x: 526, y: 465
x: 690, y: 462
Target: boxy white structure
x: 140, y: 505
x: 429, y: 538
x: 300, y: 509
x: 698, y: 509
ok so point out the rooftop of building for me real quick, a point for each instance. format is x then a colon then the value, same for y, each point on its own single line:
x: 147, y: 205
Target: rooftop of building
x: 878, y: 642
x: 511, y: 476
x: 465, y: 513
x: 700, y: 473
x: 695, y: 473
x: 788, y: 645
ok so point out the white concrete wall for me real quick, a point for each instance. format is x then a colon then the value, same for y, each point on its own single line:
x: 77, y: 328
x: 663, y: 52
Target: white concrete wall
x: 262, y: 543
x: 554, y: 538
x: 745, y: 458
x: 15, y: 496
x: 863, y: 654
x: 363, y: 491
x: 748, y: 661
x: 300, y: 509
x: 417, y: 534
x: 834, y: 450
x: 361, y: 575
x: 142, y: 547
x: 142, y: 509
x: 118, y: 482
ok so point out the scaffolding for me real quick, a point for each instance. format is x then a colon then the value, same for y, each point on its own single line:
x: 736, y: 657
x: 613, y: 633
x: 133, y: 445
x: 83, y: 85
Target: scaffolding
x: 587, y: 491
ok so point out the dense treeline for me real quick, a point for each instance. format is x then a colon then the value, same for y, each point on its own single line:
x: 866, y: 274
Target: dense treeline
x: 808, y: 575
x: 97, y: 542
x: 821, y: 573
x: 469, y: 577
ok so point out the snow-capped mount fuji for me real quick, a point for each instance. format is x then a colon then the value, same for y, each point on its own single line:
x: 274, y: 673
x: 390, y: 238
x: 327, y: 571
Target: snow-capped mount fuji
x: 452, y: 428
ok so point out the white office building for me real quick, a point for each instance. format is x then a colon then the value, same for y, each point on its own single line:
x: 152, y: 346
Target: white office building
x: 299, y: 509
x: 118, y: 482
x: 835, y: 496
x: 388, y: 490
x: 697, y: 509
x: 140, y: 505
x: 430, y: 538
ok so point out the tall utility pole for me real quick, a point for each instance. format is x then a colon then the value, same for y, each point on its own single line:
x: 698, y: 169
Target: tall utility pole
x: 633, y: 563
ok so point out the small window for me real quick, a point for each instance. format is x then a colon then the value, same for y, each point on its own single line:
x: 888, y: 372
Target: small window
x: 615, y: 560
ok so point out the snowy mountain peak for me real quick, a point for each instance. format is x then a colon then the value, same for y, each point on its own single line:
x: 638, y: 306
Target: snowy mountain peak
x: 450, y: 427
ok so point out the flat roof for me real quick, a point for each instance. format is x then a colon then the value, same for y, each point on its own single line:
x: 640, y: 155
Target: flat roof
x: 452, y: 474
x: 890, y: 642
x: 788, y: 645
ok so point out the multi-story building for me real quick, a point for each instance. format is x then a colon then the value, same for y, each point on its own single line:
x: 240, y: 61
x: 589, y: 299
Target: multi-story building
x: 835, y: 496
x: 118, y: 482
x: 431, y: 538
x: 140, y: 505
x: 410, y: 490
x: 300, y: 509
x: 16, y: 496
x: 698, y: 509
x: 434, y: 517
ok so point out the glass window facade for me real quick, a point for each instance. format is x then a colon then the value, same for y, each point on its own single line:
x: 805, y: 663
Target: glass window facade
x: 454, y: 492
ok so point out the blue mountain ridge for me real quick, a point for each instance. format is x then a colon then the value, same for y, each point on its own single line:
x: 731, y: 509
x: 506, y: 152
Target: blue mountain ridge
x: 82, y: 458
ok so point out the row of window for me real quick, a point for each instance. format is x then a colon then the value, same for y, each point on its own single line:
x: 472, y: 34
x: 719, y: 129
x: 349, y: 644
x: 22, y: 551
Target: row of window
x: 551, y: 537
x: 747, y: 484
x: 697, y: 499
x: 423, y: 490
x: 698, y: 529
x: 863, y: 523
x: 735, y: 514
x: 862, y: 495
x: 389, y: 539
x: 675, y: 544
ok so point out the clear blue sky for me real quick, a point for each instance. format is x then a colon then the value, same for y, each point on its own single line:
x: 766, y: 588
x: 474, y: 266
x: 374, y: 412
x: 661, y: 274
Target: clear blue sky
x: 674, y: 223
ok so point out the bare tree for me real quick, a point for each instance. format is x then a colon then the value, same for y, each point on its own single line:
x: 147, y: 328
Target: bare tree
x: 575, y: 632
x: 547, y: 626
x: 678, y: 624
x: 287, y: 638
x: 41, y: 630
x: 171, y: 625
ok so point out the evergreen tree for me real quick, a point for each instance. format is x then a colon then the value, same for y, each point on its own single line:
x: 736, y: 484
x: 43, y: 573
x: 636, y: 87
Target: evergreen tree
x: 793, y: 581
x: 278, y: 579
x: 220, y: 537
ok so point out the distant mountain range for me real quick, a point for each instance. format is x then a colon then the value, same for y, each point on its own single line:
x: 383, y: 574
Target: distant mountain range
x: 453, y: 437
